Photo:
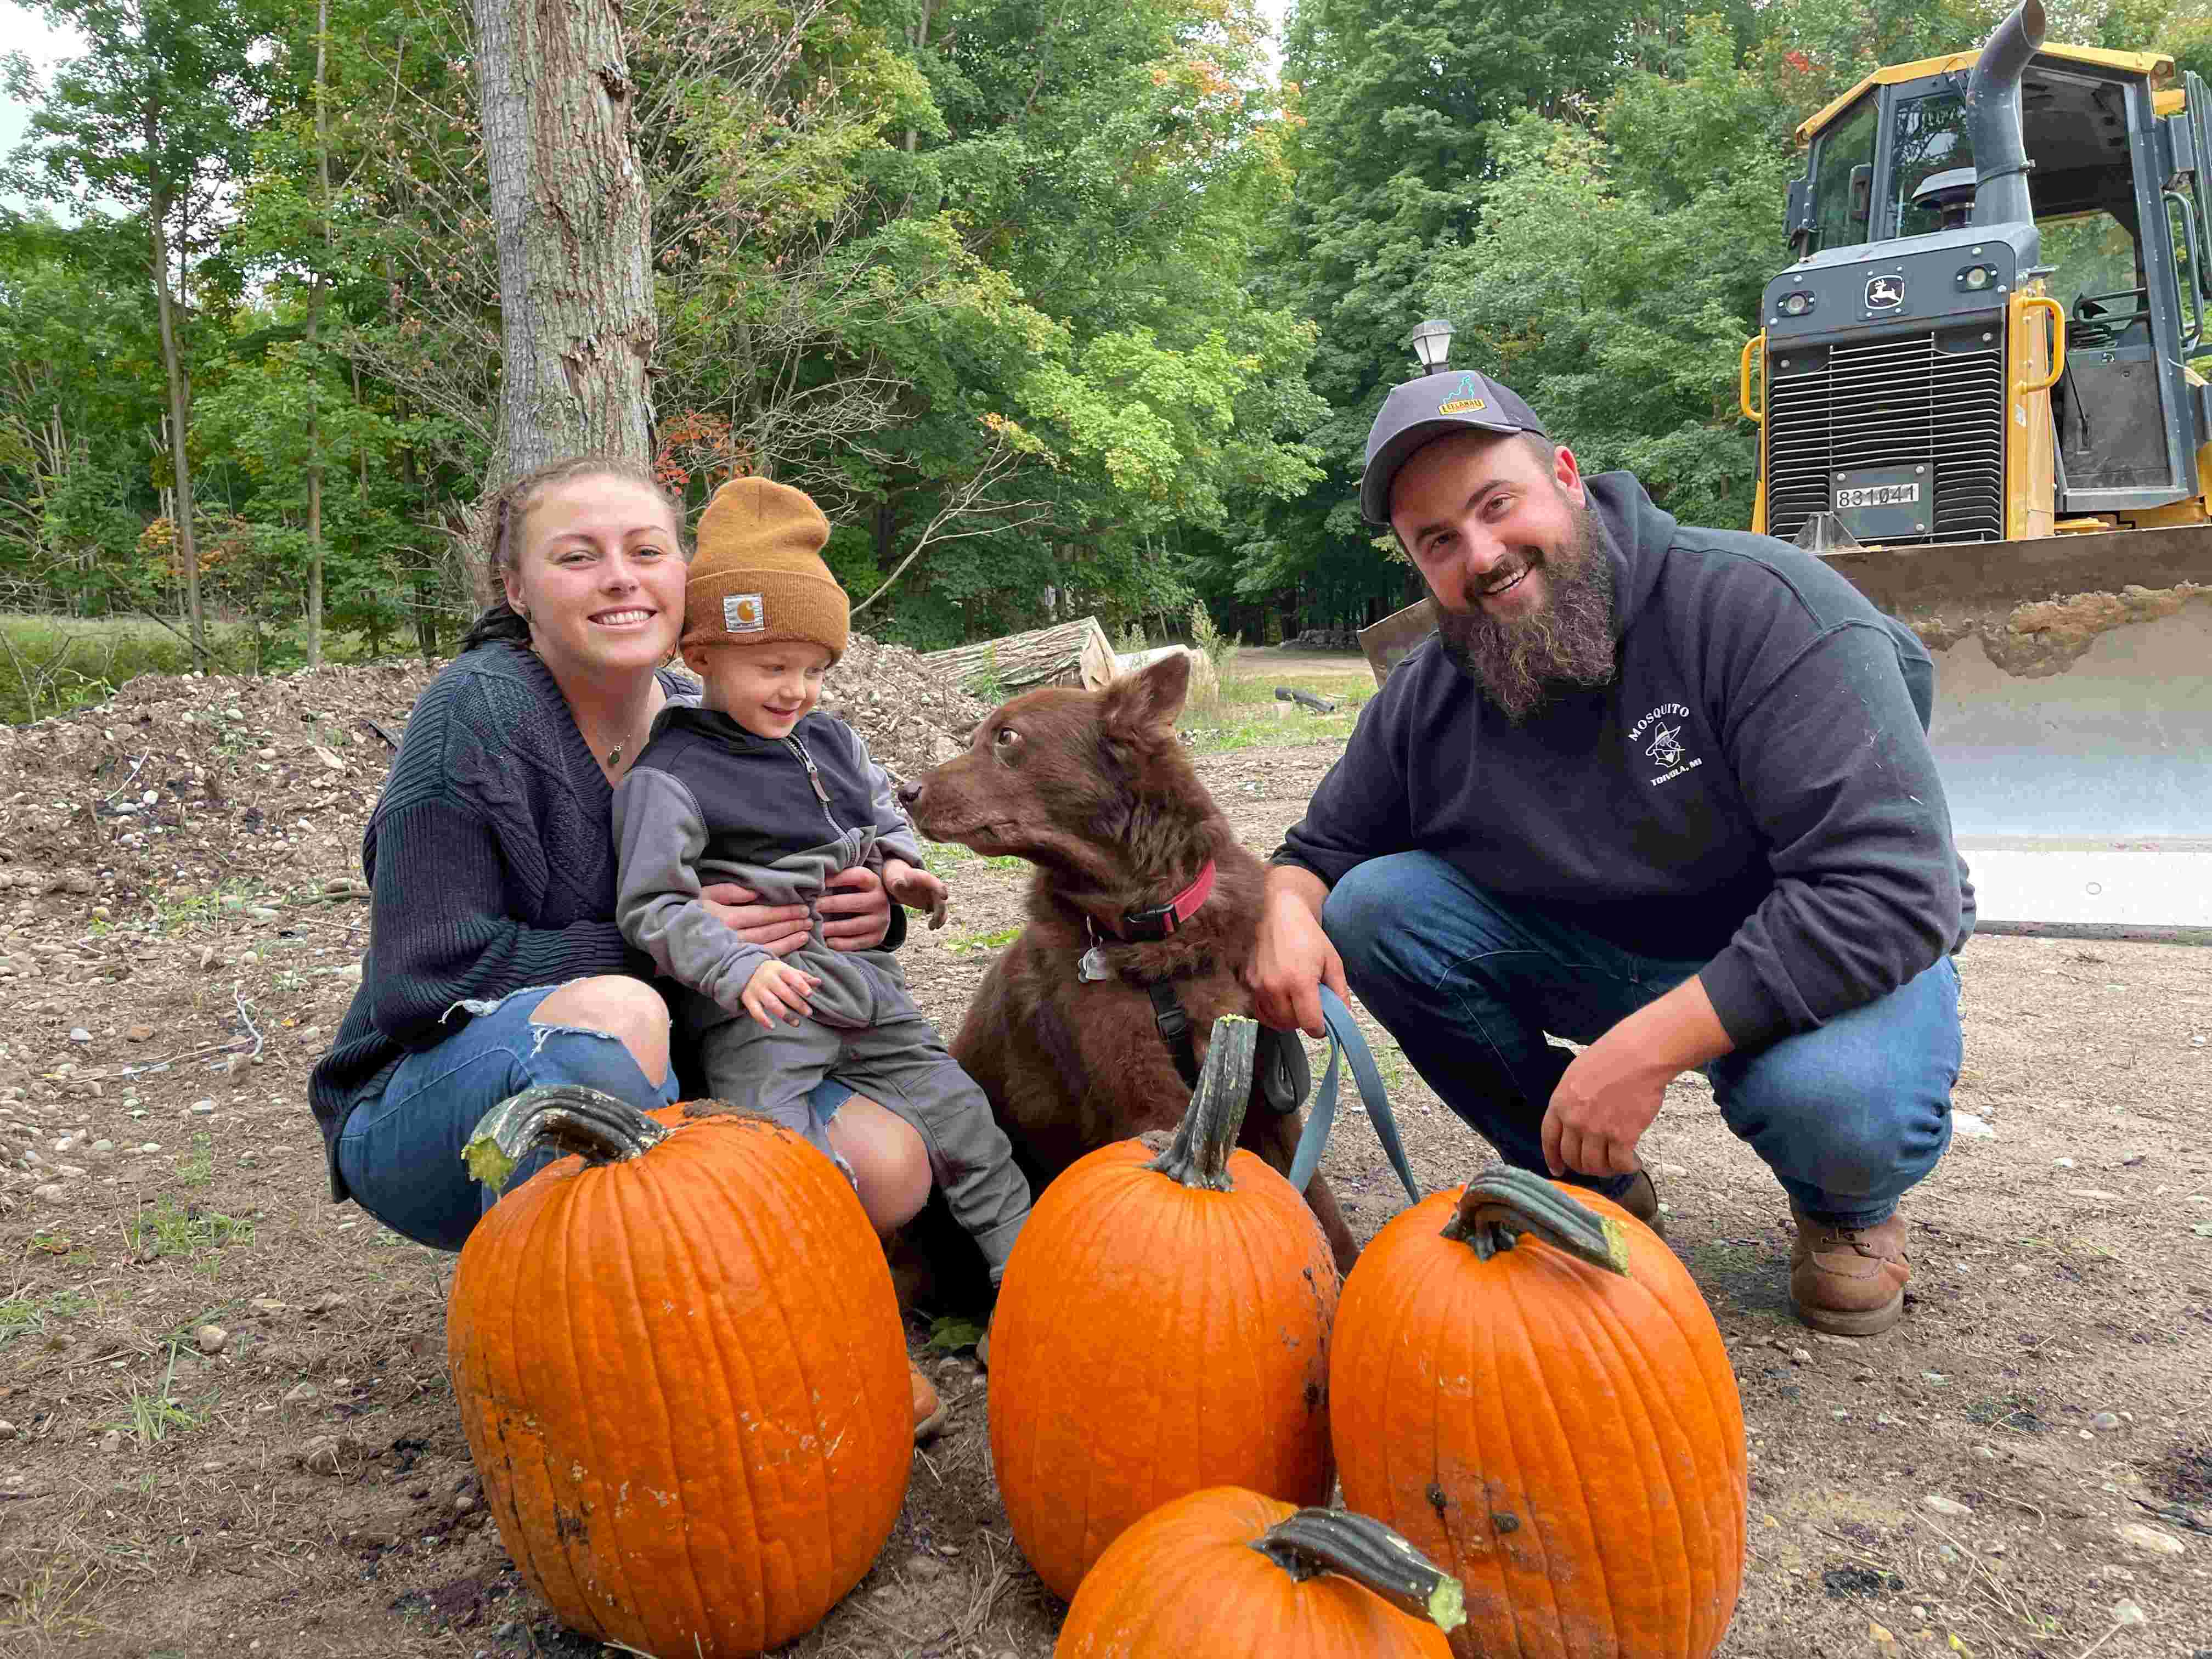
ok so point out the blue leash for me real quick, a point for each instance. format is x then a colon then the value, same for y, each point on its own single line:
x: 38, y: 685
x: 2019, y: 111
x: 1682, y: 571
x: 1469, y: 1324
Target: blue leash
x: 1345, y: 1042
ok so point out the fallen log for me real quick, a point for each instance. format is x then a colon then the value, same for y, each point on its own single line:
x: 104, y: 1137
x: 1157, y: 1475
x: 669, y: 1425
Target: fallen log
x: 1074, y: 653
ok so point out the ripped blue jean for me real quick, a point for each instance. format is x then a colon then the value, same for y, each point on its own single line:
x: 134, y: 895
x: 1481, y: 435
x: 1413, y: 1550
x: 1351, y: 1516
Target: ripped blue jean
x: 401, y: 1153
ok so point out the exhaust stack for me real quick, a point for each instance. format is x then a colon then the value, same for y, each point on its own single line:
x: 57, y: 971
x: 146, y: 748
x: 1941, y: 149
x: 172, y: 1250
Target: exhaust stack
x: 2001, y: 164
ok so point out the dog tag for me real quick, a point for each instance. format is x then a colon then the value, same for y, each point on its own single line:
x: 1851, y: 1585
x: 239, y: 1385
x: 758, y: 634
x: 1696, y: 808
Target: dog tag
x: 1093, y: 968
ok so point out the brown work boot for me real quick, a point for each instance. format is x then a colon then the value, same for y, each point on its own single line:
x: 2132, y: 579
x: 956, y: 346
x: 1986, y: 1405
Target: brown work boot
x: 928, y: 1412
x: 1848, y: 1280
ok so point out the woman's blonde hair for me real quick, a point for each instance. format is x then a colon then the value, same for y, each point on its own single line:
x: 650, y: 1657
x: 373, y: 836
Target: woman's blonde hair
x: 507, y: 522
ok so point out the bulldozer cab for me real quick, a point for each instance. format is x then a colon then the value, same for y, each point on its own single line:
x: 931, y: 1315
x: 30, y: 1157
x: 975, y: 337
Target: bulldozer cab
x: 2115, y: 149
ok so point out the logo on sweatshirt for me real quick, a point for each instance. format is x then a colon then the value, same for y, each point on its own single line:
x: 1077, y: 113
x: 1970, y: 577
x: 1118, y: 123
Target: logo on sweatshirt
x: 1659, y: 734
x: 743, y: 613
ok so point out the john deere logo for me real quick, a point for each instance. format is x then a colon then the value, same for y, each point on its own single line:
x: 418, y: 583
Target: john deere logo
x: 1885, y: 293
x: 743, y: 613
x: 1466, y: 399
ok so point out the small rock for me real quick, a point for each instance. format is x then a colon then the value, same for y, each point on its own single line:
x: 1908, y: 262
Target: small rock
x: 102, y: 1148
x: 2150, y: 1538
x: 1973, y: 1126
x: 2094, y: 1194
x: 327, y: 1301
x: 925, y: 1567
x: 2127, y: 1612
x: 78, y: 1034
x: 464, y: 1505
x: 301, y: 1393
x: 1800, y: 1356
x: 1943, y: 1506
x: 210, y: 1337
x: 112, y: 1442
x: 2104, y: 1420
x: 52, y: 1192
x: 2062, y: 1163
x: 203, y: 1108
x: 261, y: 912
x: 138, y: 1034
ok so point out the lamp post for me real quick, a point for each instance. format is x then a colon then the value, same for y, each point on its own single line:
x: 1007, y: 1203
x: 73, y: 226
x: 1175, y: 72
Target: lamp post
x: 1432, y: 343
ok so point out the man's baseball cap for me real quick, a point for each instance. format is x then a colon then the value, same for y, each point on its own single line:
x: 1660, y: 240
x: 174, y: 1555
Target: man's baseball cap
x: 1421, y: 411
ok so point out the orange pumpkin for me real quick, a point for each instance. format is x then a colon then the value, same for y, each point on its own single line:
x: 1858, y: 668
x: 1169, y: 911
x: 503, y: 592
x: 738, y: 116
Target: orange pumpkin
x: 1531, y: 1389
x: 1234, y: 1575
x: 682, y: 1372
x: 1163, y: 1326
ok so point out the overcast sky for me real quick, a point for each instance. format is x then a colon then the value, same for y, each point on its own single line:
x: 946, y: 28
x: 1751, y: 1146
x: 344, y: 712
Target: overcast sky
x: 26, y: 31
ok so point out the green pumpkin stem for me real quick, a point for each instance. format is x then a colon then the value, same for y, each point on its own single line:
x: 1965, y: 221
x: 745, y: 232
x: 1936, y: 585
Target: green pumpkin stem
x: 603, y: 1129
x: 1199, y: 1154
x: 1363, y: 1549
x: 1503, y: 1203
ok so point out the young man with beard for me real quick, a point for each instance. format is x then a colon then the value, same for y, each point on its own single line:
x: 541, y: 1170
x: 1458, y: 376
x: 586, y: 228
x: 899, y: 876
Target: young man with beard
x: 1662, y: 791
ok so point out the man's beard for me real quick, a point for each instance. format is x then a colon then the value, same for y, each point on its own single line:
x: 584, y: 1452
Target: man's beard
x: 1519, y: 661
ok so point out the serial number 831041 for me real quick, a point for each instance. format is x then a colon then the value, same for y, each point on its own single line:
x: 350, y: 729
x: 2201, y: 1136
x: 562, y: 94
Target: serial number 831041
x: 1897, y: 495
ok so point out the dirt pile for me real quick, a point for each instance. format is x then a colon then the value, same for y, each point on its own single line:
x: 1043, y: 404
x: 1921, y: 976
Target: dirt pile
x: 912, y: 717
x: 184, y: 778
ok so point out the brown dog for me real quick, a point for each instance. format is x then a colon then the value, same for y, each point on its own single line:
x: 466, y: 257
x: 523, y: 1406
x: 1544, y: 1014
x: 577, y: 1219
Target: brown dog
x: 1093, y: 788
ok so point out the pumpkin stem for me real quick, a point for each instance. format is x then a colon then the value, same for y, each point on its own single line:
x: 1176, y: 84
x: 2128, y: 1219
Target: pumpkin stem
x: 575, y: 1118
x: 1503, y: 1203
x: 1207, y: 1133
x: 1363, y: 1549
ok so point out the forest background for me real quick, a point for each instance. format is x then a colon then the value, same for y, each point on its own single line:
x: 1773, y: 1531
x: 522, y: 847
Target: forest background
x: 1060, y: 307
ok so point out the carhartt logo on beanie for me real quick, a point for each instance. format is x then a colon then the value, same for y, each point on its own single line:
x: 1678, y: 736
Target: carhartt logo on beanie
x: 758, y: 575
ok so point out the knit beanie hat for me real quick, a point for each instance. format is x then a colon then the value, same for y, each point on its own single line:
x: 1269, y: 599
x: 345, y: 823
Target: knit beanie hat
x: 758, y: 576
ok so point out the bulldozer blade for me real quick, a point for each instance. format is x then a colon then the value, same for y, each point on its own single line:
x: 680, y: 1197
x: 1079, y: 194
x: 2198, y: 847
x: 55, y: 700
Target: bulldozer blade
x: 2073, y: 722
x: 2073, y: 719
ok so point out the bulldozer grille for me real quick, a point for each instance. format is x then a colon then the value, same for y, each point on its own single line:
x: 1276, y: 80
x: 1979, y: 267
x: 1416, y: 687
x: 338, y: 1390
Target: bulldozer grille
x: 1935, y: 399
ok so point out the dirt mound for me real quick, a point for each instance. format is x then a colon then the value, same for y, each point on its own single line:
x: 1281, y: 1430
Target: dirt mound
x: 912, y: 717
x: 197, y: 779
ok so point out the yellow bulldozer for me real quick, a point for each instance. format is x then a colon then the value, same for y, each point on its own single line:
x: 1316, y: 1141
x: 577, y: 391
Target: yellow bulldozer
x: 1975, y: 401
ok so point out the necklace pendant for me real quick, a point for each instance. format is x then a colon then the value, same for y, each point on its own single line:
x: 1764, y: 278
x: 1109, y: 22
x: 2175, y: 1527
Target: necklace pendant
x: 1092, y: 968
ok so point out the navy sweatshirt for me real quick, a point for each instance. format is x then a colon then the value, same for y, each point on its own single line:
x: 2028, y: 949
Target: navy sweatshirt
x: 1754, y: 791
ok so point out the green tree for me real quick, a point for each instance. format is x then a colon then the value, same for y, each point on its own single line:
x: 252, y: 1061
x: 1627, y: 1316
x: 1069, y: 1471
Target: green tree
x: 156, y: 115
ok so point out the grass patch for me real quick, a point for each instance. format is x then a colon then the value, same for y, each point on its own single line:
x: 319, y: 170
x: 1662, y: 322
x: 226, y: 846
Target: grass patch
x: 1236, y: 730
x: 50, y: 665
x: 49, y: 1599
x: 991, y: 941
x: 197, y: 1167
x: 945, y: 855
x: 153, y: 1415
x: 169, y: 1230
x: 31, y: 1316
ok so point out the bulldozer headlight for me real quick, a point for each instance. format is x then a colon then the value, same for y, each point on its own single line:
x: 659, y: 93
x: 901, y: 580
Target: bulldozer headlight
x: 1796, y: 304
x: 1977, y: 278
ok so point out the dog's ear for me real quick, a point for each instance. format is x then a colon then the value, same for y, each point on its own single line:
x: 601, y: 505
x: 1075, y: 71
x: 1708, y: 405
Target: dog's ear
x: 1151, y: 696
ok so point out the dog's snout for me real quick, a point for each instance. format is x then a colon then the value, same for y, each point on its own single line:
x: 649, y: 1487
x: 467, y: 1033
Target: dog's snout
x: 908, y: 794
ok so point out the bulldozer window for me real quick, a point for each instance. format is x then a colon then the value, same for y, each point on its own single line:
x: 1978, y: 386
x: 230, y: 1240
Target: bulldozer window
x: 1845, y: 153
x: 1928, y: 137
x: 2096, y: 274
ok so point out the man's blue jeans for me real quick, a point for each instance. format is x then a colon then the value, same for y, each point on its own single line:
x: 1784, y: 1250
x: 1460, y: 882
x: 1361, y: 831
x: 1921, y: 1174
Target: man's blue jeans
x: 1848, y: 1116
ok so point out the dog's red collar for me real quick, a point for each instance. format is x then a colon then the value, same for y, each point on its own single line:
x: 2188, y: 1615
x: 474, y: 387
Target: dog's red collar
x: 1162, y: 920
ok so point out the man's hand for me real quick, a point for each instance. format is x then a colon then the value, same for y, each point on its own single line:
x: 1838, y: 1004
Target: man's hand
x: 916, y: 888
x: 1612, y: 1089
x: 778, y: 989
x: 1292, y: 958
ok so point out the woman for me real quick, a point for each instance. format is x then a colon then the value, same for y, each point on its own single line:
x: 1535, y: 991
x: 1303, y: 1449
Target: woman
x: 495, y: 963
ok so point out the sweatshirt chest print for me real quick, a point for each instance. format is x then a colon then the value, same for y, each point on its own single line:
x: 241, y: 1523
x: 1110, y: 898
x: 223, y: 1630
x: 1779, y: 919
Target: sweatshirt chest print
x: 1658, y: 735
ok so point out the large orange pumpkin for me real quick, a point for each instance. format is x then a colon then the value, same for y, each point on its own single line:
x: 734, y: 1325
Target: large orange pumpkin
x: 1231, y: 1574
x: 1531, y: 1389
x: 1163, y: 1326
x: 681, y: 1371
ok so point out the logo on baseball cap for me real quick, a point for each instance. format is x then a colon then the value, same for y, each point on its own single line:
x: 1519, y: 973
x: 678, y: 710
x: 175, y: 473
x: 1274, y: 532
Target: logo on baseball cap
x: 1418, y: 412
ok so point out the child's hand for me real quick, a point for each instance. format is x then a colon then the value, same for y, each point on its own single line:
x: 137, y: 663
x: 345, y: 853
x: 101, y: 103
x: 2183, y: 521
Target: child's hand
x: 777, y: 987
x: 916, y: 888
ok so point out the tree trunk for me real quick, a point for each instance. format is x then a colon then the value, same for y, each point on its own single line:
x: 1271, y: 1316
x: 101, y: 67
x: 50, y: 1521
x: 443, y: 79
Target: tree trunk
x: 314, y: 359
x: 1074, y: 653
x: 571, y: 211
x: 180, y: 390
